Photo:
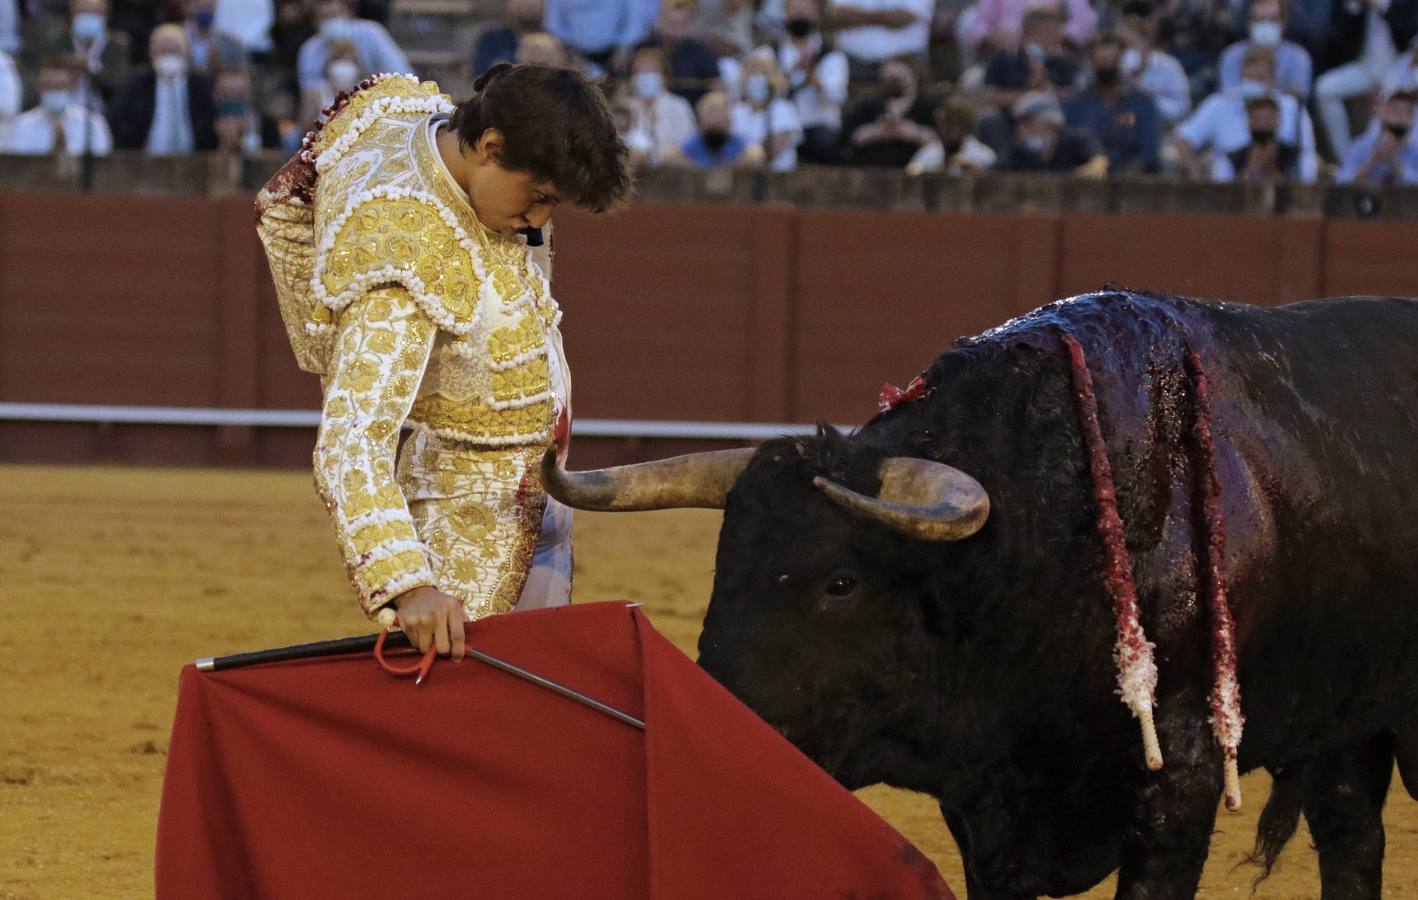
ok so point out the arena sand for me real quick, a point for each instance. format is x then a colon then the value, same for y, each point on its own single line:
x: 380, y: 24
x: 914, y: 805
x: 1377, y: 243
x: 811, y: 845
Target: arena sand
x: 113, y: 579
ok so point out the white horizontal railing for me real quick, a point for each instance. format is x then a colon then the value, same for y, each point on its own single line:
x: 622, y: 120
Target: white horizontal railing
x: 310, y: 418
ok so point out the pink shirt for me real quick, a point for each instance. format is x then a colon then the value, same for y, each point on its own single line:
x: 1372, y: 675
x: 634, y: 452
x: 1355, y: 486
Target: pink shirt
x: 992, y: 16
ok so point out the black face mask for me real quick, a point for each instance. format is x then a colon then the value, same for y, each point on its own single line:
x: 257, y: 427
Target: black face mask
x: 1106, y: 77
x: 801, y: 28
x: 894, y: 90
x: 1262, y: 136
x: 1398, y: 131
x: 714, y: 139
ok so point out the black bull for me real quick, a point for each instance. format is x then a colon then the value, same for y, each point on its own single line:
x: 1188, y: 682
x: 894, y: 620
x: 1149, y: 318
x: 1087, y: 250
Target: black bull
x: 980, y: 671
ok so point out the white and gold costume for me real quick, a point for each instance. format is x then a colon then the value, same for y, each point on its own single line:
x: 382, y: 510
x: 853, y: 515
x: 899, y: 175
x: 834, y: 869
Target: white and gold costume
x: 412, y: 311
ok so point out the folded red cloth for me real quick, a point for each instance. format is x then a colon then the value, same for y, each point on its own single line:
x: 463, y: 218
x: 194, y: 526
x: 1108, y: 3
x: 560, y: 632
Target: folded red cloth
x: 327, y: 777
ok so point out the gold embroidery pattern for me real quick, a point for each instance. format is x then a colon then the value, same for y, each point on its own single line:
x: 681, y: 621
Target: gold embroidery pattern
x: 480, y: 514
x: 367, y: 396
x: 475, y: 422
x: 395, y: 86
x: 409, y: 235
x: 525, y: 381
x: 507, y: 343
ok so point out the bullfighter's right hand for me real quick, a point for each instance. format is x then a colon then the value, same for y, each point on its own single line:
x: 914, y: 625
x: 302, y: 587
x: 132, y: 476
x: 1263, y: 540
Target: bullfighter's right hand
x: 431, y: 617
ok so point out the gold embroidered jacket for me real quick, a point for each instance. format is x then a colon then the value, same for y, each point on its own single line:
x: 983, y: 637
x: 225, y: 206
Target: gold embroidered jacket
x: 417, y: 312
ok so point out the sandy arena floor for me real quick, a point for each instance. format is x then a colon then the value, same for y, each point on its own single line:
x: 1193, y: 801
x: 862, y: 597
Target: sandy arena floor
x: 112, y: 579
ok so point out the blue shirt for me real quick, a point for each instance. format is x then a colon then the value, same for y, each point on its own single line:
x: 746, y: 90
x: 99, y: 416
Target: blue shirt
x: 1293, y: 70
x: 600, y: 26
x: 696, y: 152
x: 376, y: 50
x: 1402, y: 170
x: 1128, y: 128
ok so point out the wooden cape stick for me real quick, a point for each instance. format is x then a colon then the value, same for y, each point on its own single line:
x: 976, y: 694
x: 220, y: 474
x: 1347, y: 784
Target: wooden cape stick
x: 364, y: 643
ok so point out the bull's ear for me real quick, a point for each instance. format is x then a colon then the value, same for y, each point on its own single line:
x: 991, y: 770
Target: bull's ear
x: 920, y: 498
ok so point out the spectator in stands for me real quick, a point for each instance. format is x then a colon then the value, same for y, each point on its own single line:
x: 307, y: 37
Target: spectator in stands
x: 342, y: 74
x: 1360, y: 76
x: 637, y: 141
x: 1403, y: 74
x: 888, y: 129
x: 11, y: 94
x: 375, y: 49
x: 38, y: 132
x: 1265, y: 156
x: 817, y: 80
x: 1386, y: 153
x: 10, y: 27
x: 763, y: 116
x: 1157, y: 74
x: 1039, y: 61
x: 168, y: 111
x: 666, y: 119
x: 249, y: 22
x: 1042, y: 143
x: 1001, y: 22
x: 871, y: 32
x: 238, y: 127
x: 1123, y: 120
x: 1219, y: 126
x: 606, y: 32
x: 208, y: 48
x: 956, y: 150
x: 726, y: 24
x: 714, y: 144
x: 694, y: 64
x: 98, y: 54
x: 540, y: 48
x: 497, y: 43
x: 1293, y: 69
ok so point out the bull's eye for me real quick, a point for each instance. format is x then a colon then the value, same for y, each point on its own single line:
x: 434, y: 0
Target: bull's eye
x: 841, y: 586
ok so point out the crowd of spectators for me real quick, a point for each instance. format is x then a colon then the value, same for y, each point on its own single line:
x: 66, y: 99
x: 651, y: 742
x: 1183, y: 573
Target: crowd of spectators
x: 1219, y: 90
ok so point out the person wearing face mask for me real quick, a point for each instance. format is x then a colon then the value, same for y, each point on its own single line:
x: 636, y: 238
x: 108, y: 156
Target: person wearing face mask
x: 1218, y: 126
x: 694, y: 64
x: 1387, y: 152
x: 1042, y: 143
x: 1362, y: 75
x: 887, y: 130
x: 1265, y: 157
x: 666, y: 118
x: 430, y: 303
x: 763, y: 117
x: 375, y: 49
x: 1293, y: 69
x: 342, y: 75
x: 97, y: 53
x: 817, y: 80
x: 59, y: 125
x: 1124, y: 121
x: 1155, y: 73
x: 714, y: 145
x: 208, y: 48
x: 1038, y: 61
x: 169, y: 111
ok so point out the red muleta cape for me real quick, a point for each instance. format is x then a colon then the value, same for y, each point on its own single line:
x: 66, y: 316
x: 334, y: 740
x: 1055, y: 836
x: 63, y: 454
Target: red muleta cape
x: 328, y: 778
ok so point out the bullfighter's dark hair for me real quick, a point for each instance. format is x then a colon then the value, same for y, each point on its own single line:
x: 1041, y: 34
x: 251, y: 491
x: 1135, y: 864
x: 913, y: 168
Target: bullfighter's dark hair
x: 556, y: 125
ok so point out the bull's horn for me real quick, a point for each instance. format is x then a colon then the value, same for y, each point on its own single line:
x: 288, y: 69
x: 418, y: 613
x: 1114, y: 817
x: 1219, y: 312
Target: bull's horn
x: 925, y: 499
x: 696, y: 479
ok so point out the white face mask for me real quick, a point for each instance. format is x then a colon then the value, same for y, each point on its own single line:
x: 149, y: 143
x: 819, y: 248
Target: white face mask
x: 1036, y: 143
x: 343, y: 74
x: 648, y: 84
x: 1266, y: 33
x: 170, y: 65
x: 54, y: 102
x: 89, y: 25
x: 1251, y: 89
x: 1132, y: 62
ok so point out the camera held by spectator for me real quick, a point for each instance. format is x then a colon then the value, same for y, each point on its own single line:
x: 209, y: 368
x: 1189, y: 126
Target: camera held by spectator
x: 888, y: 129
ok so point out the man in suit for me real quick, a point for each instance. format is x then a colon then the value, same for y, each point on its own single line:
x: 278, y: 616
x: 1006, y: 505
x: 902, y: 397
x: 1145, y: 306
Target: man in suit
x: 168, y: 111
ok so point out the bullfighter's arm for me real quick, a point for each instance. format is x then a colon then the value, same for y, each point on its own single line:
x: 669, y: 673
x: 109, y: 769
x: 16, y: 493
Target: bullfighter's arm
x: 383, y: 348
